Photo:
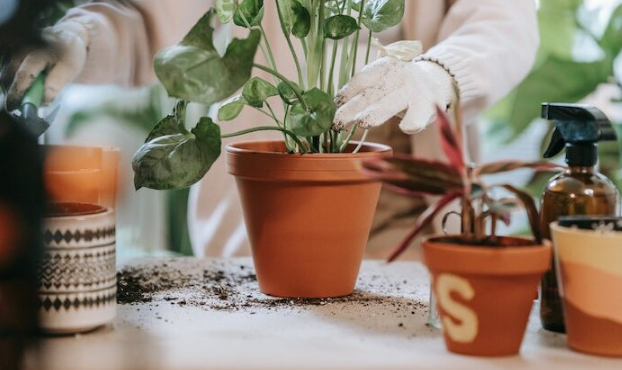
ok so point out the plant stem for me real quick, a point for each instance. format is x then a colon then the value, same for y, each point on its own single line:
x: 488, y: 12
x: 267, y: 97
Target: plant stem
x: 285, y: 80
x: 369, y: 36
x: 265, y: 128
x: 301, y: 81
x: 358, y: 147
x: 344, y: 145
x: 271, y: 61
x: 331, y: 87
x: 355, y: 46
x: 343, y: 64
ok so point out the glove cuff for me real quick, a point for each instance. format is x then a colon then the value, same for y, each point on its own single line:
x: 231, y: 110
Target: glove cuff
x: 442, y: 78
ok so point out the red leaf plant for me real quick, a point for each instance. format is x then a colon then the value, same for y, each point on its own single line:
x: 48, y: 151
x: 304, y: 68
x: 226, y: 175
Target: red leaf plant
x: 453, y: 180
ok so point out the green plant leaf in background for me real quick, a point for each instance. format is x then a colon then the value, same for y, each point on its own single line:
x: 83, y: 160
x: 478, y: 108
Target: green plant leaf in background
x: 178, y: 160
x: 251, y: 11
x: 380, y: 15
x: 315, y: 121
x: 339, y: 26
x: 296, y: 18
x: 611, y: 40
x: 193, y: 70
x: 231, y: 108
x: 225, y: 9
x: 257, y: 91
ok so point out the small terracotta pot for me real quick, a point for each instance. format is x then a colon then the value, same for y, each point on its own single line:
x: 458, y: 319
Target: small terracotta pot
x: 590, y: 275
x: 484, y: 294
x: 307, y: 216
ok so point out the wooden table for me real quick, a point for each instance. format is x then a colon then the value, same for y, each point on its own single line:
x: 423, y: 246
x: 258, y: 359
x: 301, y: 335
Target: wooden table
x: 383, y: 327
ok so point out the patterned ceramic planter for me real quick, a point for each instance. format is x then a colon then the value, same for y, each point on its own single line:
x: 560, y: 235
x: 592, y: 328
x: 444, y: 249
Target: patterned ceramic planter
x: 590, y: 274
x: 77, y: 277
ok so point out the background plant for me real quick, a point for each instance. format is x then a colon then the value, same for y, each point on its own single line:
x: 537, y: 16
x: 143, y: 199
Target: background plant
x: 328, y: 32
x: 457, y: 180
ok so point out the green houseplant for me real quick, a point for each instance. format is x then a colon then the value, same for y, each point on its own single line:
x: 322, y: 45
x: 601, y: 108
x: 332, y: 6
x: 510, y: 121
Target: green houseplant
x: 307, y: 207
x: 495, y: 277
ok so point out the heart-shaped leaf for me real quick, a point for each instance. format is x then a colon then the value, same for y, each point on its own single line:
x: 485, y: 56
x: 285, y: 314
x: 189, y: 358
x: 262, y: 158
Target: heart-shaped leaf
x: 225, y: 9
x: 231, y: 108
x: 177, y: 160
x: 287, y: 93
x: 295, y: 17
x: 339, y: 26
x: 193, y: 70
x: 379, y: 15
x: 257, y: 90
x: 250, y: 11
x: 315, y: 120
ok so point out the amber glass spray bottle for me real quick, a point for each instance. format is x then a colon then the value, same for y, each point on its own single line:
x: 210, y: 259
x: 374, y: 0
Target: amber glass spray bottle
x: 579, y: 190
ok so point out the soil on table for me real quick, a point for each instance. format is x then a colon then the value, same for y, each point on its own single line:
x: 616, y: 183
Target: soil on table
x: 230, y: 286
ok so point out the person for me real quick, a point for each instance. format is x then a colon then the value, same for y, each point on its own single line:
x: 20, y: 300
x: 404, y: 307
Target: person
x: 484, y: 47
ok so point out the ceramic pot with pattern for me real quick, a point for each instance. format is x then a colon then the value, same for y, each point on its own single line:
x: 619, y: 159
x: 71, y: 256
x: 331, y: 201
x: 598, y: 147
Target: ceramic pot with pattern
x: 77, y: 275
x: 589, y: 268
x: 484, y: 294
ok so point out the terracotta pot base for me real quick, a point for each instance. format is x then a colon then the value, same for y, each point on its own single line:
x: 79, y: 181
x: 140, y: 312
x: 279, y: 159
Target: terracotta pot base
x: 485, y: 294
x: 307, y: 216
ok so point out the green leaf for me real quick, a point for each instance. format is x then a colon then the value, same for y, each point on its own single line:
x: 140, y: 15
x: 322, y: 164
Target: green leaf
x: 257, y: 90
x: 379, y: 15
x: 249, y: 10
x: 167, y: 126
x: 231, y: 108
x: 287, y: 93
x: 225, y: 9
x: 177, y: 160
x: 315, y: 121
x: 356, y: 5
x: 555, y: 80
x: 296, y: 18
x: 193, y: 70
x: 340, y: 26
x: 611, y: 41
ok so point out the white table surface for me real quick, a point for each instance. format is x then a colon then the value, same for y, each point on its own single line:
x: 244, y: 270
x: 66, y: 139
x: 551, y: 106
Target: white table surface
x: 378, y: 335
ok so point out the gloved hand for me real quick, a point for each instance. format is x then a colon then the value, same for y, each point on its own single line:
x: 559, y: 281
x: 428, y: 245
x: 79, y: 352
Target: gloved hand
x: 391, y: 87
x: 64, y: 59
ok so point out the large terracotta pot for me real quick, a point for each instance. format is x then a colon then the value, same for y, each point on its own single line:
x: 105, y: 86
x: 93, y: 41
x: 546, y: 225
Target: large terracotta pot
x: 307, y: 216
x: 590, y: 275
x: 484, y: 294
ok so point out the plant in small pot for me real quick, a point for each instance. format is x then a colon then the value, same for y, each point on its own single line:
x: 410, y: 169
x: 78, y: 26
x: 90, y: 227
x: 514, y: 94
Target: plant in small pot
x: 588, y: 252
x: 307, y: 207
x: 484, y: 284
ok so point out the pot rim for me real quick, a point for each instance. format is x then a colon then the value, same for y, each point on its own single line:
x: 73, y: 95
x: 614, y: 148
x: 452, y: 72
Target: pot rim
x: 237, y: 149
x: 584, y: 232
x: 479, y: 260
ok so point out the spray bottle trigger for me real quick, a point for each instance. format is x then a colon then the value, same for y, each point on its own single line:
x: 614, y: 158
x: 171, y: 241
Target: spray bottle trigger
x: 556, y: 146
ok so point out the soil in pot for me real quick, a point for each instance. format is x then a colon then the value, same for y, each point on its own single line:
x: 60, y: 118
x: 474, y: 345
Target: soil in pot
x: 485, y: 293
x: 307, y: 216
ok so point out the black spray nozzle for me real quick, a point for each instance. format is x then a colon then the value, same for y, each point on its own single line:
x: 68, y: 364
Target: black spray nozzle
x: 578, y: 128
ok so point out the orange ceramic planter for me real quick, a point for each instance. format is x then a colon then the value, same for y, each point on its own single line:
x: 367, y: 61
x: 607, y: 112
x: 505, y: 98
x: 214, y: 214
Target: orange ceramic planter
x: 590, y: 275
x: 484, y: 295
x: 307, y: 216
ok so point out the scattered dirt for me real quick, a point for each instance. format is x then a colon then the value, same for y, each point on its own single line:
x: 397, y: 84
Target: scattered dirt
x: 230, y: 286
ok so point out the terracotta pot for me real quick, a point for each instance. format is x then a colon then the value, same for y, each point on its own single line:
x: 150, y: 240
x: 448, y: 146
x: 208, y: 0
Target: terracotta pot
x: 307, y: 216
x: 590, y: 275
x: 485, y: 294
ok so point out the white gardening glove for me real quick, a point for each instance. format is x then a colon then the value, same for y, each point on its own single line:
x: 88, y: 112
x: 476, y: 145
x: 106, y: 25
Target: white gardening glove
x: 64, y: 59
x: 391, y: 87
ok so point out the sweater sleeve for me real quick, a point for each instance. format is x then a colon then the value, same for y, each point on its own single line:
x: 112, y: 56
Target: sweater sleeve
x: 124, y: 36
x: 488, y: 46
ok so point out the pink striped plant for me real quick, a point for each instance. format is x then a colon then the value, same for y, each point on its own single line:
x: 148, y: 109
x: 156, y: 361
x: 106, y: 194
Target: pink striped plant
x: 456, y: 180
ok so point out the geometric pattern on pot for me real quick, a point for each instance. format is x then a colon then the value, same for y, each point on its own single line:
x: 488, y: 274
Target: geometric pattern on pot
x: 76, y: 312
x: 77, y: 269
x: 79, y: 231
x: 78, y: 300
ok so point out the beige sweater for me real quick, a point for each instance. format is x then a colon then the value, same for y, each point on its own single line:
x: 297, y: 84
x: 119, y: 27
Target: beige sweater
x: 488, y: 45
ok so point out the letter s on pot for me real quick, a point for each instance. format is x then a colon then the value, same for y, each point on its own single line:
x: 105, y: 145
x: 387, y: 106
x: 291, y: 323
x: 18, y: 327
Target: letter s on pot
x: 464, y: 326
